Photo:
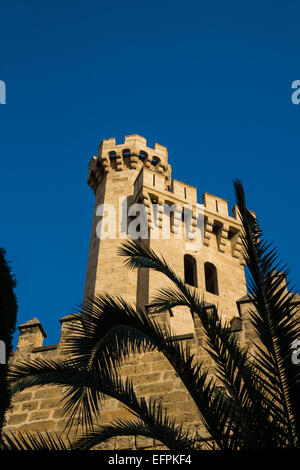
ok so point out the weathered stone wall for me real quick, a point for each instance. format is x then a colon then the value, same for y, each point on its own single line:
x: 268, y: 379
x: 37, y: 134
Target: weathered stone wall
x: 40, y: 408
x: 151, y: 374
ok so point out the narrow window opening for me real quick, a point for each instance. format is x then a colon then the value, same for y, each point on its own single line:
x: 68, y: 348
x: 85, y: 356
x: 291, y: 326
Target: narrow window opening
x: 113, y: 159
x: 190, y: 270
x: 215, y: 229
x: 217, y: 208
x: 185, y: 193
x: 211, y: 278
x: 153, y: 180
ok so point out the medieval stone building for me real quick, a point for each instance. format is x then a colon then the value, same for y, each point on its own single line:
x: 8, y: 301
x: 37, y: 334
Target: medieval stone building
x: 121, y: 176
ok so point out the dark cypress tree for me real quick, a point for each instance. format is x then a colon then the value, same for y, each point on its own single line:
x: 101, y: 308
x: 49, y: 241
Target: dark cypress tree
x: 8, y: 318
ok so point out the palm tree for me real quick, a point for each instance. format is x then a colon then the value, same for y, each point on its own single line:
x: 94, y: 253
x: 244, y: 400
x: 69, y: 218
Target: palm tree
x: 251, y: 403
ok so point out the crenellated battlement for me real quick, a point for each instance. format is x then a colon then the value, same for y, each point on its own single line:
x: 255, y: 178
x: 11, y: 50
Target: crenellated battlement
x: 132, y: 154
x: 32, y: 335
x: 218, y: 223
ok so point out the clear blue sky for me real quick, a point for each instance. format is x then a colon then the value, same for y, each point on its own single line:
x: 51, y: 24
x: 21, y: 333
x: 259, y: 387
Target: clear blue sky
x: 210, y: 80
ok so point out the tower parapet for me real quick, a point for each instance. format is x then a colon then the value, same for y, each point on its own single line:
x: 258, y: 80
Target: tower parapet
x: 132, y: 154
x: 31, y: 335
x: 124, y: 176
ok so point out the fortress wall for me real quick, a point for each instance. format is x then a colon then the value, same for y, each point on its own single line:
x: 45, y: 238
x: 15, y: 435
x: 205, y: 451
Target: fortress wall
x: 40, y: 408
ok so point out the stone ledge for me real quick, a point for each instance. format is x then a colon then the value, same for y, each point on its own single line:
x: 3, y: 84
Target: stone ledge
x: 183, y: 337
x: 70, y: 317
x: 44, y: 348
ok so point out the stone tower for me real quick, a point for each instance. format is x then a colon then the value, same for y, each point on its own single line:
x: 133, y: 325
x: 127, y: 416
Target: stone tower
x: 121, y: 177
x: 129, y: 173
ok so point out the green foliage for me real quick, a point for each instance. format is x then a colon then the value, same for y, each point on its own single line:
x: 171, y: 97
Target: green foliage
x: 8, y: 318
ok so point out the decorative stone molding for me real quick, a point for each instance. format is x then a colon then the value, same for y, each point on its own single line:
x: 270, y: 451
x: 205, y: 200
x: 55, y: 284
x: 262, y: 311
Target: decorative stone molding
x: 208, y: 229
x: 223, y: 237
x: 111, y: 158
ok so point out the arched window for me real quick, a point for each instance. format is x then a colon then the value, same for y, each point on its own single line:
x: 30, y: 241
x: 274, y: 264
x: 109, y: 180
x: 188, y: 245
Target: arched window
x: 190, y: 270
x: 211, y: 278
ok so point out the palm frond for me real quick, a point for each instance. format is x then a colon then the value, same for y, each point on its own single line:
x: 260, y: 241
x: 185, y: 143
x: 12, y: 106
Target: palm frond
x: 79, y: 391
x: 158, y: 426
x: 274, y: 320
x: 233, y: 366
x: 257, y: 405
x: 83, y: 389
x: 34, y: 440
x: 103, y: 433
x: 115, y: 329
